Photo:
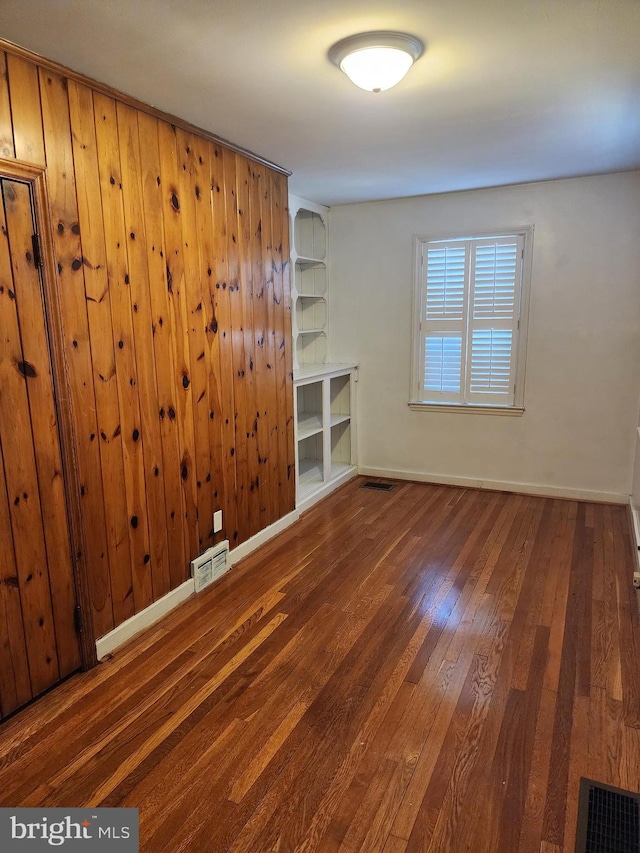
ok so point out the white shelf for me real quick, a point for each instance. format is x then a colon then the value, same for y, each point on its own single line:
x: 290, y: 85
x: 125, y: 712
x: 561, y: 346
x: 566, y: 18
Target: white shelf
x: 311, y: 314
x: 340, y: 454
x: 309, y: 232
x: 340, y: 468
x: 336, y: 420
x: 309, y: 286
x: 310, y: 472
x: 310, y: 278
x: 320, y: 371
x: 309, y: 423
x: 311, y: 348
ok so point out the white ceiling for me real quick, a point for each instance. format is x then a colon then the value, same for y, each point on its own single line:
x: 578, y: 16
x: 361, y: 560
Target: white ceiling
x: 507, y: 90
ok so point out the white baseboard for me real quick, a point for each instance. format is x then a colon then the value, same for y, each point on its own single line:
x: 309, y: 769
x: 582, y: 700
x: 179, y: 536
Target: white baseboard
x: 325, y: 489
x: 136, y: 623
x: 263, y: 536
x: 635, y: 526
x: 499, y: 486
x: 105, y: 645
x: 635, y: 521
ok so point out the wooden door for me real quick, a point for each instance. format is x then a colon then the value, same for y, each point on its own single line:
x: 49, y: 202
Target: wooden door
x: 39, y: 644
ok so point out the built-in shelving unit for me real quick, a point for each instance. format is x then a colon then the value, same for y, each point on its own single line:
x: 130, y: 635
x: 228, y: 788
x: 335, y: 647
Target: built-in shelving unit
x: 325, y: 429
x: 309, y: 291
x: 325, y: 392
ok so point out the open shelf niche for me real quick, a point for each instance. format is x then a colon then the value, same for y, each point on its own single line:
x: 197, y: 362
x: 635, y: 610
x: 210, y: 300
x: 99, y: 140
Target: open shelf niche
x: 309, y: 286
x: 325, y: 392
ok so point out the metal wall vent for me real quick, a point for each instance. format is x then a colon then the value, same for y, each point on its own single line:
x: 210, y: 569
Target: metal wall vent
x: 380, y: 487
x: 608, y: 819
x: 211, y: 565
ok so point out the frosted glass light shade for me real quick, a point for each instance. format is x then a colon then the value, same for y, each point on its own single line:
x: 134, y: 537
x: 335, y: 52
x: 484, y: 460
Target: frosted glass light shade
x: 376, y: 68
x: 376, y: 61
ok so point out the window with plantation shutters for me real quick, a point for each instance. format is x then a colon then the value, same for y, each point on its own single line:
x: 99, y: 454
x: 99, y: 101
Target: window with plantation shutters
x: 469, y: 348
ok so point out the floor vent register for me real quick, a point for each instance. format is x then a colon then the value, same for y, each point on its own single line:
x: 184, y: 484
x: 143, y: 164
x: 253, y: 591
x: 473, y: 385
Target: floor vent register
x: 379, y: 487
x: 608, y: 819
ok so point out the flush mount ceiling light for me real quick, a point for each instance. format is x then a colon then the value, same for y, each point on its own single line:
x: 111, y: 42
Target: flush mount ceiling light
x: 376, y: 61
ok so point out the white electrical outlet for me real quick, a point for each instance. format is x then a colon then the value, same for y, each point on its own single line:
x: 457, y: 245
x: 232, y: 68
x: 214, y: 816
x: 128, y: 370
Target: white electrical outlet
x: 217, y: 521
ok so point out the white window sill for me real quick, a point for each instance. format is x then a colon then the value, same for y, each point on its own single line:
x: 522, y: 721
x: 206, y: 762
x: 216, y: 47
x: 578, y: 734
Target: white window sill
x: 509, y: 411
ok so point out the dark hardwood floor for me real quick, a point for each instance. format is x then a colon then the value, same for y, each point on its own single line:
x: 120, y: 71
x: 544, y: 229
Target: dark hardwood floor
x: 428, y: 669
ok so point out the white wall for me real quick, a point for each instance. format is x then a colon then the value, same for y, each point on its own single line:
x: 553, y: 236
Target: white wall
x: 635, y: 502
x: 582, y: 388
x: 635, y: 489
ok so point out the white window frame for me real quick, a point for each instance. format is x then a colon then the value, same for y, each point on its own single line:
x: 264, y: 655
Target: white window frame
x: 420, y: 243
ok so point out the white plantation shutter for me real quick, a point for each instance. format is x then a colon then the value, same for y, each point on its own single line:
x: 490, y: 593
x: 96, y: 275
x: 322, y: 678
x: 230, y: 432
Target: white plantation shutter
x: 490, y: 364
x: 470, y: 296
x: 443, y: 363
x: 494, y: 295
x: 446, y: 278
x: 494, y: 278
x: 443, y: 321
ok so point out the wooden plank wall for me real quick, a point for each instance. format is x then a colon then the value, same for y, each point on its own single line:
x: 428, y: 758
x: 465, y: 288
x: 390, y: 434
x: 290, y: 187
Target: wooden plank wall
x: 172, y: 269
